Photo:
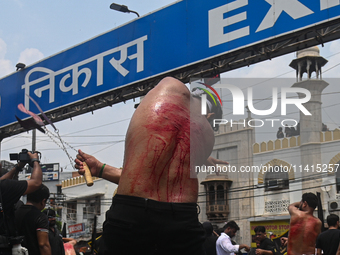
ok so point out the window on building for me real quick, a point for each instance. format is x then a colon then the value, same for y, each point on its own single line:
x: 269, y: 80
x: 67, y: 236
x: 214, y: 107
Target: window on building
x: 85, y: 213
x: 216, y: 189
x: 211, y: 194
x: 217, y: 194
x: 92, y: 208
x: 217, y: 202
x: 276, y: 179
x: 220, y: 194
x: 72, y: 211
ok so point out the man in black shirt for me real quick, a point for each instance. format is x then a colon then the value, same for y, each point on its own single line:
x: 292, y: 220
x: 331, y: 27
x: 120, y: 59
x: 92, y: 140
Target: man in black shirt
x: 33, y: 224
x: 54, y: 236
x: 280, y: 134
x: 266, y: 246
x: 10, y: 193
x: 328, y: 241
x: 209, y: 244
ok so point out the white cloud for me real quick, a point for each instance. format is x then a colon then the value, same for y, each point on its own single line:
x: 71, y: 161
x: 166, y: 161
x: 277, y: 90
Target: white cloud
x: 3, y: 49
x: 30, y: 56
x: 6, y: 66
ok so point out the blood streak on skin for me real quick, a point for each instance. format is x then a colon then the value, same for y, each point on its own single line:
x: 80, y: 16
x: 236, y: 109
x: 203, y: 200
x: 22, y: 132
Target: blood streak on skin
x: 294, y: 232
x: 305, y: 228
x: 296, y: 229
x: 169, y: 130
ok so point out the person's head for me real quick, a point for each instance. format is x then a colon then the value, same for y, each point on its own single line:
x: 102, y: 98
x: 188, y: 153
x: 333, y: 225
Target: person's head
x: 208, y: 228
x: 309, y: 200
x: 260, y: 233
x: 280, y: 128
x: 214, y: 108
x: 333, y: 220
x: 51, y: 216
x: 231, y: 228
x: 39, y: 197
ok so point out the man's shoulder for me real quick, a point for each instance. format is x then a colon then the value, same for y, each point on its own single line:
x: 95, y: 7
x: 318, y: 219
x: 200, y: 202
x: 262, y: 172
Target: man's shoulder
x: 328, y: 232
x: 266, y: 243
x: 326, y: 236
x: 25, y: 207
x: 268, y: 240
x: 297, y: 217
x: 305, y: 216
x: 29, y: 211
x: 222, y: 236
x: 13, y: 189
x: 168, y: 102
x: 173, y: 85
x: 41, y: 215
x: 317, y: 221
x: 24, y: 214
x: 12, y: 183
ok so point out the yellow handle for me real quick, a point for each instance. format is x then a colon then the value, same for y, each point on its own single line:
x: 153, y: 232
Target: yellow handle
x: 87, y: 175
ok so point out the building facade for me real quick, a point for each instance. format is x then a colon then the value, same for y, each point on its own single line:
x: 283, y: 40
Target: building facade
x: 279, y: 170
x: 82, y: 204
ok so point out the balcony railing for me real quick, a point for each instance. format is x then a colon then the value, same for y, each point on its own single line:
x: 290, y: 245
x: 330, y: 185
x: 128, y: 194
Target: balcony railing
x: 217, y: 212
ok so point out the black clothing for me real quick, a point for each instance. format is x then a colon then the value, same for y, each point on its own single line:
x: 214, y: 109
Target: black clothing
x: 268, y: 245
x: 252, y: 251
x: 56, y: 242
x: 328, y: 241
x: 136, y: 225
x: 287, y: 131
x: 209, y: 245
x: 279, y: 134
x: 5, y: 252
x: 11, y: 191
x: 29, y: 220
x: 293, y: 131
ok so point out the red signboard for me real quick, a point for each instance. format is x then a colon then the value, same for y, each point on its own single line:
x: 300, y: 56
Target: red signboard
x: 76, y: 228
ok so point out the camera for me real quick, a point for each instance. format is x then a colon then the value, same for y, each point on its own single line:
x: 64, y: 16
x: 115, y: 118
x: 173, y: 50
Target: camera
x: 24, y: 157
x: 21, y: 156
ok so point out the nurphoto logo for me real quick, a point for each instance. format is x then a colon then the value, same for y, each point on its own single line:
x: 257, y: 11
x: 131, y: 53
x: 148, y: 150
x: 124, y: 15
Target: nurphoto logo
x: 204, y: 97
x: 239, y: 101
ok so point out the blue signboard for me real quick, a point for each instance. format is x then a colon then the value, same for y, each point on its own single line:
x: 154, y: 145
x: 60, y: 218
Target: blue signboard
x: 181, y: 34
x: 50, y: 171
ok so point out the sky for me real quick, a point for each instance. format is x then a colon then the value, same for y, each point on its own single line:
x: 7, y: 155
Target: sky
x: 34, y: 30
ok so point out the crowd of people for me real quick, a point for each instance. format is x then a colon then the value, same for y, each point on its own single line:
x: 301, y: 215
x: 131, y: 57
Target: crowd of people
x: 28, y: 227
x: 155, y: 208
x: 304, y: 236
x: 166, y: 137
x: 290, y: 131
